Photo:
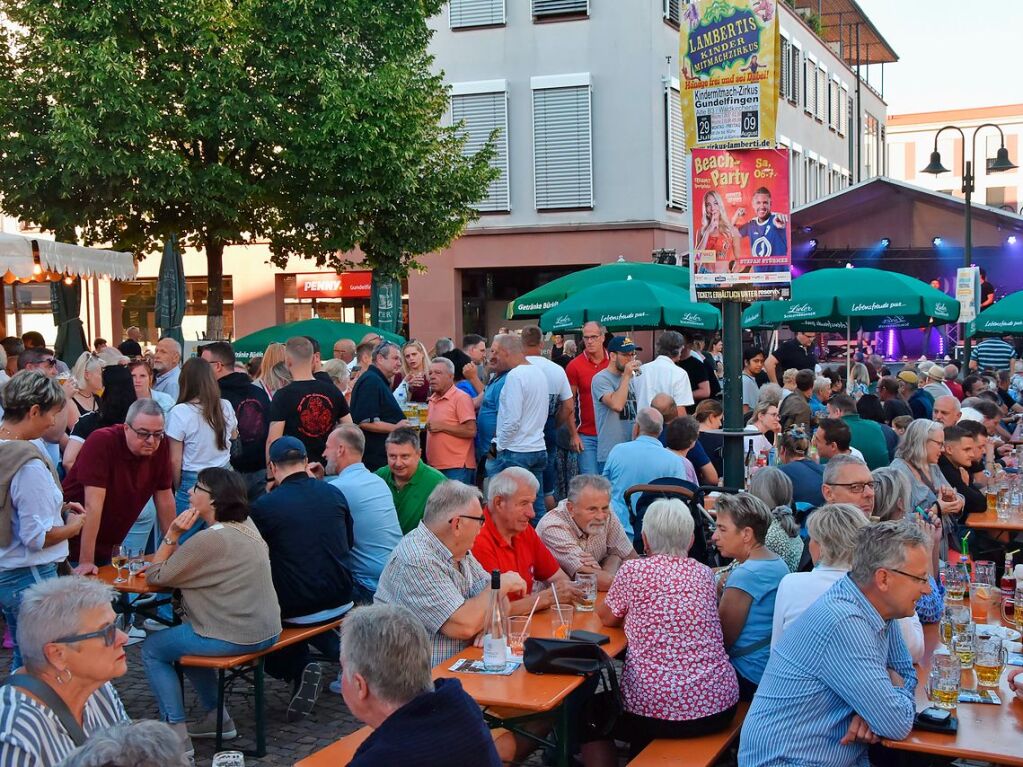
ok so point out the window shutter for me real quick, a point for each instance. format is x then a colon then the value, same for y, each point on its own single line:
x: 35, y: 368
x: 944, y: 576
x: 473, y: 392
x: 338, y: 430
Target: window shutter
x: 475, y: 13
x: 480, y: 114
x: 785, y: 81
x: 672, y: 11
x: 562, y: 148
x: 822, y: 95
x: 794, y: 73
x: 676, y: 151
x: 810, y: 81
x: 545, y: 8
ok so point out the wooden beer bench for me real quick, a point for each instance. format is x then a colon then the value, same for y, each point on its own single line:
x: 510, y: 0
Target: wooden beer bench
x: 231, y: 667
x: 703, y: 751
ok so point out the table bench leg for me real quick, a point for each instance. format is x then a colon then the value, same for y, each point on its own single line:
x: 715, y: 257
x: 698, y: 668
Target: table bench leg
x: 221, y: 684
x: 260, y: 711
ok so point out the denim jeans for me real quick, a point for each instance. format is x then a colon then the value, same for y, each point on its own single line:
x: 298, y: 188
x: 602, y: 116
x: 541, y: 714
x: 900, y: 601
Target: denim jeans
x: 182, y: 502
x: 468, y: 476
x: 534, y: 462
x: 140, y: 533
x: 12, y: 584
x: 159, y: 653
x: 588, y: 457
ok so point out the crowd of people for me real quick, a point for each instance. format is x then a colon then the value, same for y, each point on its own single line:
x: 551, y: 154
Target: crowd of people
x: 384, y: 484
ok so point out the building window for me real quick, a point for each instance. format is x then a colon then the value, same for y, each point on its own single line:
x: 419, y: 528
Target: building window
x: 480, y: 115
x: 809, y: 84
x: 821, y: 110
x: 1002, y: 197
x: 562, y: 142
x: 676, y: 149
x: 138, y: 306
x: 475, y: 13
x: 785, y: 81
x: 843, y: 111
x: 834, y: 101
x: 545, y: 9
x: 795, y: 72
x: 871, y: 145
x: 795, y: 178
x: 672, y: 11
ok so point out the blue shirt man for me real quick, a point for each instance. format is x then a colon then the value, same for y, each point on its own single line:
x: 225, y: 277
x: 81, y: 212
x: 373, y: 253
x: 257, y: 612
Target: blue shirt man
x: 486, y: 418
x: 765, y: 232
x: 640, y: 461
x: 842, y: 664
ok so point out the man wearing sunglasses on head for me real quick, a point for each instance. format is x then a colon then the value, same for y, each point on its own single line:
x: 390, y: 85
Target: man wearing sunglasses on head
x: 117, y: 471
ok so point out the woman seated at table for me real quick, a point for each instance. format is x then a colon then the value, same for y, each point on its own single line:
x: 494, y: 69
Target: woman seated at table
x: 227, y: 597
x: 72, y: 647
x: 710, y: 415
x: 793, y: 446
x: 917, y: 458
x: 746, y: 608
x: 765, y: 420
x: 774, y: 488
x: 677, y: 680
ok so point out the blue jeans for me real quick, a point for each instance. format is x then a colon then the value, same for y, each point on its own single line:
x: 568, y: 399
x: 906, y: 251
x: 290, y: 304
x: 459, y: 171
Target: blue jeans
x: 534, y: 462
x: 468, y: 476
x: 140, y: 533
x: 163, y: 648
x: 182, y: 502
x: 588, y: 457
x: 12, y: 585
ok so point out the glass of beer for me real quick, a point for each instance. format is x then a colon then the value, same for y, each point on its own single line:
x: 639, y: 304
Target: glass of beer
x: 411, y: 412
x: 587, y: 584
x: 991, y: 496
x: 991, y: 656
x: 119, y: 558
x: 1012, y: 609
x: 561, y: 620
x: 964, y: 645
x: 957, y: 580
x: 984, y: 572
x: 517, y: 634
x: 943, y: 681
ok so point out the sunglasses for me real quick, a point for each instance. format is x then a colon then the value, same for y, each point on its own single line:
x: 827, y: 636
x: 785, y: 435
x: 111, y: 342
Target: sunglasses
x: 108, y: 634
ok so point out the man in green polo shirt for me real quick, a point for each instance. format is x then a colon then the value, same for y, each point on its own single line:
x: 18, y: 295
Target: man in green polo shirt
x: 867, y: 436
x: 410, y: 479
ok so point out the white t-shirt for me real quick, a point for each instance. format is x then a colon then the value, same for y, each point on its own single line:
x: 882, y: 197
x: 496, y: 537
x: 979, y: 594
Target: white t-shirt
x: 558, y: 388
x: 522, y: 410
x: 662, y: 376
x: 186, y: 424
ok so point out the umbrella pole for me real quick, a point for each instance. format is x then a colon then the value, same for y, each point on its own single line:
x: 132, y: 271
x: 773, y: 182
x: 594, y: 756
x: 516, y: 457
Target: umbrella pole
x: 848, y: 349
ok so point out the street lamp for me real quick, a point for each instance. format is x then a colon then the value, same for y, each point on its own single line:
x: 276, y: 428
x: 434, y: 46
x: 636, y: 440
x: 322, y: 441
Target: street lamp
x: 999, y: 164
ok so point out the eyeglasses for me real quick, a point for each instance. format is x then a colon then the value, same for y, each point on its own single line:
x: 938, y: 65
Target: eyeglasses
x: 856, y: 488
x: 200, y: 489
x: 917, y: 578
x: 937, y: 442
x: 49, y: 362
x: 481, y: 519
x: 145, y: 436
x: 108, y: 633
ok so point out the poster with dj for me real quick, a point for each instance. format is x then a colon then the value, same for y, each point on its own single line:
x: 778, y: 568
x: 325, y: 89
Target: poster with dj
x: 740, y: 227
x: 729, y: 69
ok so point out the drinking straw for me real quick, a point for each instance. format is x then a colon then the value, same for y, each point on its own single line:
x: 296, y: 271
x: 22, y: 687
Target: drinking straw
x: 529, y: 620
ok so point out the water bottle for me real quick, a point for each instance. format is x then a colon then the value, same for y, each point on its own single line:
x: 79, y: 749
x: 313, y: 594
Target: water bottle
x: 495, y: 628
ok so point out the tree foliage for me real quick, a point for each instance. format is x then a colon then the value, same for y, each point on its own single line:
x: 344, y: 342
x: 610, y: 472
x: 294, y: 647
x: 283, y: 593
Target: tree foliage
x: 313, y: 125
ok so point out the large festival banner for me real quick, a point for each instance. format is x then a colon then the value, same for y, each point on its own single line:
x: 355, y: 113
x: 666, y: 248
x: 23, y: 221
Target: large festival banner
x: 729, y: 65
x: 740, y: 228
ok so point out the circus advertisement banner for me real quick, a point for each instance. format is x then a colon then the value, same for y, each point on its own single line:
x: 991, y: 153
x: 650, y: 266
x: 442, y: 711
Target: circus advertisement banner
x: 740, y: 227
x: 729, y: 69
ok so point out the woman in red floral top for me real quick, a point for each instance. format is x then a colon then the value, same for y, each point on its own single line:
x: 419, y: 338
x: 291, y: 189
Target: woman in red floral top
x: 678, y: 681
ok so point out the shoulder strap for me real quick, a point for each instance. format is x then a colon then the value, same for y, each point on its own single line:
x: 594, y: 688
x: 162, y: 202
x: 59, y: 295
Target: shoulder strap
x: 738, y: 652
x: 52, y: 701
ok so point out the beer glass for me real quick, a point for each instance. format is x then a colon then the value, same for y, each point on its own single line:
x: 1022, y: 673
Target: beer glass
x: 957, y: 580
x: 991, y: 496
x: 587, y: 583
x: 991, y: 656
x: 984, y: 572
x: 1012, y: 609
x: 964, y: 645
x: 943, y: 681
x: 960, y: 616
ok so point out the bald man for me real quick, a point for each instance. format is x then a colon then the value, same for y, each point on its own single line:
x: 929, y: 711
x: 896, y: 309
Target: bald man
x: 947, y: 410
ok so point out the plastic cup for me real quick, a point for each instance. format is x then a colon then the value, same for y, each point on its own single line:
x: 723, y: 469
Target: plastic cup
x: 517, y: 634
x: 984, y: 603
x: 561, y: 620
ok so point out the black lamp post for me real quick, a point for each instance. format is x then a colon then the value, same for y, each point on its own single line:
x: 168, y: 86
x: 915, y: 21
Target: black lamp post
x: 999, y: 164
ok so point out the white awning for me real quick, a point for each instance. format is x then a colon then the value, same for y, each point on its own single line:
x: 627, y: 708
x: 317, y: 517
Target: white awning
x: 62, y: 258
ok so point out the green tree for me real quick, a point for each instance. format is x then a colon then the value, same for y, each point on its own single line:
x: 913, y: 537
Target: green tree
x: 314, y: 125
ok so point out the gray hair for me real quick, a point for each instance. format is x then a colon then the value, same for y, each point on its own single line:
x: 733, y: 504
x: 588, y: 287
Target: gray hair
x: 746, y: 510
x: 145, y: 743
x: 668, y: 528
x: 352, y: 437
x: 447, y: 499
x: 506, y: 483
x: 383, y: 349
x: 913, y: 446
x: 337, y: 370
x: 142, y: 406
x: 175, y: 345
x: 405, y: 435
x: 649, y: 421
x: 821, y: 385
x: 835, y: 465
x: 27, y: 388
x: 789, y: 376
x: 893, y: 493
x: 388, y: 647
x: 772, y: 486
x: 582, y: 482
x: 445, y: 363
x: 509, y: 342
x: 52, y: 609
x: 836, y: 528
x: 670, y: 343
x: 569, y: 348
x: 883, y: 546
x: 770, y: 394
x: 443, y: 345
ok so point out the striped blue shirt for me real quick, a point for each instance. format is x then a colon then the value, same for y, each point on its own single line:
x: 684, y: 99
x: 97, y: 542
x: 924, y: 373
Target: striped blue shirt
x: 993, y: 354
x: 830, y: 664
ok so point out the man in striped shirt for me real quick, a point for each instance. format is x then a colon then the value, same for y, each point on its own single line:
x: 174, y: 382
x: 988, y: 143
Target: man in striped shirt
x: 841, y: 678
x: 994, y: 353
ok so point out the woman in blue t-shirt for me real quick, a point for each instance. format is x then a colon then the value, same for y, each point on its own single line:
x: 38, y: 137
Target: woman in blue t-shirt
x: 746, y: 607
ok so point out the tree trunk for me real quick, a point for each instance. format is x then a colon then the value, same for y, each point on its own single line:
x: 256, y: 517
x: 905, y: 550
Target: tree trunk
x: 215, y: 289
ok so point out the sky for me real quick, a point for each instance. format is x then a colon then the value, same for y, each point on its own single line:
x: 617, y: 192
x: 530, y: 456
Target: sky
x: 952, y: 53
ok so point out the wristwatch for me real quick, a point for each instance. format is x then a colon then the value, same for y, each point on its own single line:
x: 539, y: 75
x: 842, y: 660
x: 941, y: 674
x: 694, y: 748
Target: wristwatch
x: 168, y: 541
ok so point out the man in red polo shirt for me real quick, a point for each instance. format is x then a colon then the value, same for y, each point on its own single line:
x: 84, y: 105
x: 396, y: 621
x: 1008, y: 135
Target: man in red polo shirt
x: 580, y: 373
x: 508, y: 541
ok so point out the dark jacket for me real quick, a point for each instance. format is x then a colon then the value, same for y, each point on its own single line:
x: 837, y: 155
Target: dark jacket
x: 252, y: 407
x: 307, y: 525
x: 975, y: 500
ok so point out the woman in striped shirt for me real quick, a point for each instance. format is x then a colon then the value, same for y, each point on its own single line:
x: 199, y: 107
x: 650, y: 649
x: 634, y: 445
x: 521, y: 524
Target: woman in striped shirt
x: 70, y: 643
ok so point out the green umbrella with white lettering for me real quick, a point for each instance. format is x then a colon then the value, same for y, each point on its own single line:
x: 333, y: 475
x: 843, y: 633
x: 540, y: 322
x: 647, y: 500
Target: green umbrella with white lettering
x: 631, y: 304
x: 1002, y: 318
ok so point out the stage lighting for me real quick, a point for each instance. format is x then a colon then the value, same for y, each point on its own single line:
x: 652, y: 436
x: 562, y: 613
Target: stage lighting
x: 1012, y: 239
x: 936, y: 242
x: 885, y: 242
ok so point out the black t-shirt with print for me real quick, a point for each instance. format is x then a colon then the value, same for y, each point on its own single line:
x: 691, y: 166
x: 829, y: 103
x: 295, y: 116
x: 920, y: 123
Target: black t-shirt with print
x: 309, y: 410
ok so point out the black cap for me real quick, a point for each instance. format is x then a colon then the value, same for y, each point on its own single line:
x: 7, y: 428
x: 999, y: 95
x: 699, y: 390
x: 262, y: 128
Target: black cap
x: 495, y: 580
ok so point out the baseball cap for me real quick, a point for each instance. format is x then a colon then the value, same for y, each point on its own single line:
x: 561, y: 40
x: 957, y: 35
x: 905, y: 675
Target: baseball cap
x: 623, y: 344
x: 908, y: 376
x: 287, y: 449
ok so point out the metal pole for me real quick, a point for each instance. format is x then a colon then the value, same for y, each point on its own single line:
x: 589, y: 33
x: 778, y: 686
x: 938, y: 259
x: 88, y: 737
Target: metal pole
x: 968, y: 246
x: 733, y: 426
x: 859, y: 113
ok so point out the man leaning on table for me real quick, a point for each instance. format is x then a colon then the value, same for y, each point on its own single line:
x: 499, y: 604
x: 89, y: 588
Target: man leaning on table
x: 841, y: 677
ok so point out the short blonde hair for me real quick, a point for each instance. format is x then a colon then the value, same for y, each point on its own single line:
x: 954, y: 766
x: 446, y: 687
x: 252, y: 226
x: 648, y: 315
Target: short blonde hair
x: 835, y: 527
x: 668, y: 528
x: 789, y: 376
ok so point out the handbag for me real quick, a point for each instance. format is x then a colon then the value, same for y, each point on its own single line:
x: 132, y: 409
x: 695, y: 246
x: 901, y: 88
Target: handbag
x: 571, y: 656
x: 52, y: 701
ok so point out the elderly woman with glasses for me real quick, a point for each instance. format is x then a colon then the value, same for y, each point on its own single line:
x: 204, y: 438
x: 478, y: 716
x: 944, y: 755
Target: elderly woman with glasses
x: 227, y: 598
x: 72, y: 650
x: 33, y: 531
x: 917, y: 458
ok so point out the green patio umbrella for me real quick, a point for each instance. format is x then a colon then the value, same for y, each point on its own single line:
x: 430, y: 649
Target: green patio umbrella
x: 631, y: 304
x: 1003, y: 318
x: 536, y: 302
x: 327, y: 332
x: 170, y: 292
x: 67, y: 304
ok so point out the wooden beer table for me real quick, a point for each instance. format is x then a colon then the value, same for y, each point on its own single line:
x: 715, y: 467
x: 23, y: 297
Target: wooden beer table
x: 986, y: 732
x: 515, y: 700
x: 138, y: 586
x: 989, y: 521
